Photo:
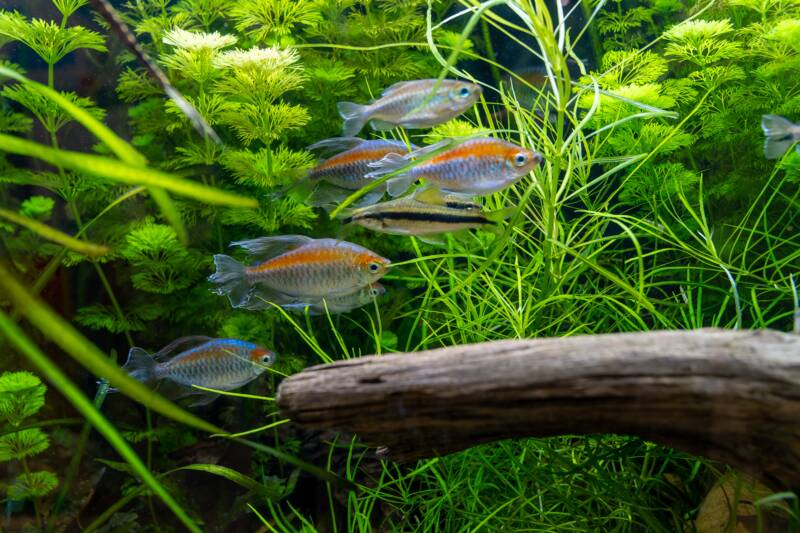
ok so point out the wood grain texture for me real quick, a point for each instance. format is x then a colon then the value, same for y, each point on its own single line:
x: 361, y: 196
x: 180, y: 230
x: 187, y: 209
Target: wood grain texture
x: 733, y: 396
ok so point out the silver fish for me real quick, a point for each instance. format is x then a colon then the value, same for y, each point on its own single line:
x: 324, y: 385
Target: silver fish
x: 223, y: 364
x: 425, y: 213
x: 402, y: 105
x: 476, y: 166
x: 296, y: 268
x: 339, y: 304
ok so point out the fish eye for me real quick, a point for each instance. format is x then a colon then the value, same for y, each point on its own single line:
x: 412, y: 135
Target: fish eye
x: 374, y: 292
x: 464, y: 92
x: 266, y: 358
x: 374, y: 267
x: 520, y: 159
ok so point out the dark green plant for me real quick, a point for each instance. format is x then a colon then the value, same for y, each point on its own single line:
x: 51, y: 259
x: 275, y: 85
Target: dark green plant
x: 653, y: 209
x: 21, y: 397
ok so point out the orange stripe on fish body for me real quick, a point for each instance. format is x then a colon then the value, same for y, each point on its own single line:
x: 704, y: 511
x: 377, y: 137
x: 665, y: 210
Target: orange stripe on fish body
x: 478, y: 166
x: 479, y: 148
x: 222, y: 364
x: 348, y: 169
x: 322, y: 268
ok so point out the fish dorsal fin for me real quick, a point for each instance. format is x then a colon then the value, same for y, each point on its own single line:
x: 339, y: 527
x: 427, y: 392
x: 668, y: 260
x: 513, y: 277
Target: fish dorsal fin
x: 190, y: 339
x: 335, y: 145
x: 440, y: 145
x: 265, y: 248
x: 397, y: 86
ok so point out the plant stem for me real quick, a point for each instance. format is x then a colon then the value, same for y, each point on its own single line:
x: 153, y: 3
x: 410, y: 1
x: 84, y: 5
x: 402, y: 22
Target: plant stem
x: 594, y: 36
x: 75, y: 462
x: 149, y: 459
x: 36, y: 504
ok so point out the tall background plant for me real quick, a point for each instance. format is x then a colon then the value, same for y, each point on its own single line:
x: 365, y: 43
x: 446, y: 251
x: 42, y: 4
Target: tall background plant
x: 653, y: 209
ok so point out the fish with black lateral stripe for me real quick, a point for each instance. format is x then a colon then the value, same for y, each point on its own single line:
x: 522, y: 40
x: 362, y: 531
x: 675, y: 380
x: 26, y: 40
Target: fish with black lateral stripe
x: 425, y: 214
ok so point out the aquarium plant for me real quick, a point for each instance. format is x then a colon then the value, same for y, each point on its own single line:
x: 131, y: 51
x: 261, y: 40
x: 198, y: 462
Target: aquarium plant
x: 21, y: 397
x: 653, y: 208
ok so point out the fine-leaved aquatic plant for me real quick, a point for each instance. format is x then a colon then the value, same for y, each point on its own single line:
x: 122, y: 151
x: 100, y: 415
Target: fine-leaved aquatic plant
x: 22, y: 395
x: 646, y: 213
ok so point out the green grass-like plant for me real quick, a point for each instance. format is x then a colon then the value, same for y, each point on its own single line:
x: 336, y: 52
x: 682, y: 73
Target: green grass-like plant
x: 653, y: 209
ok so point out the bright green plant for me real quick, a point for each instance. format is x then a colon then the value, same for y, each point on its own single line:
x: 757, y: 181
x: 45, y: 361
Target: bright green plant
x: 21, y: 397
x: 653, y: 208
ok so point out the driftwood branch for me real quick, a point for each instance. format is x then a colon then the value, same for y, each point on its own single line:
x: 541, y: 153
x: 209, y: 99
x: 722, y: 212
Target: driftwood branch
x: 733, y: 396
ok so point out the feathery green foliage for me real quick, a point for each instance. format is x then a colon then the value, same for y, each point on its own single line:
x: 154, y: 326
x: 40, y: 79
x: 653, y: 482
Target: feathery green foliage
x: 654, y: 208
x: 21, y: 397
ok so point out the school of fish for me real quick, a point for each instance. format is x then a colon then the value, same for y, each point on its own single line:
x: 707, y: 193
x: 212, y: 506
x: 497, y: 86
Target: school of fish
x: 326, y: 275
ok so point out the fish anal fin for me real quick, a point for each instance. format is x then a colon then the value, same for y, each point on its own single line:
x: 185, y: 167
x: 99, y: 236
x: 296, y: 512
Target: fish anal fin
x: 381, y: 125
x: 437, y: 239
x: 398, y: 185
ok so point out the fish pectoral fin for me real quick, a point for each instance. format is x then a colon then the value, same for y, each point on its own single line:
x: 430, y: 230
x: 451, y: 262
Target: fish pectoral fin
x: 268, y: 247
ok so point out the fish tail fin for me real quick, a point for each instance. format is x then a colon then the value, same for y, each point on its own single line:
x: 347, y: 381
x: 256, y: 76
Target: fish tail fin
x: 300, y: 190
x: 778, y: 131
x: 776, y: 126
x: 328, y: 196
x: 140, y: 365
x: 355, y: 117
x: 774, y: 149
x: 230, y: 280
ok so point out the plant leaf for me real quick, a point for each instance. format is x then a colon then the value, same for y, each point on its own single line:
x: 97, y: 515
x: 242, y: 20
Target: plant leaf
x: 21, y: 396
x: 87, y: 408
x: 119, y: 171
x: 51, y: 234
x: 32, y: 485
x: 82, y: 350
x: 23, y: 444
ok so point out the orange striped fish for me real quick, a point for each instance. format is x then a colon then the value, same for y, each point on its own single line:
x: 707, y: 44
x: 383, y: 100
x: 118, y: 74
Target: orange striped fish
x: 476, y: 167
x: 296, y: 268
x: 337, y: 177
x: 223, y: 364
x: 411, y: 104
